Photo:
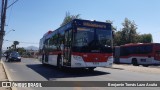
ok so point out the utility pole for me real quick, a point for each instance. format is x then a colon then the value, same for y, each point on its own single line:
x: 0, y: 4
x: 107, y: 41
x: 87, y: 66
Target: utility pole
x: 3, y: 18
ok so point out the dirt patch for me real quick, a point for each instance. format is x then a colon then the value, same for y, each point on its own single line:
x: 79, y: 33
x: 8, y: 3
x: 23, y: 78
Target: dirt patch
x: 137, y: 68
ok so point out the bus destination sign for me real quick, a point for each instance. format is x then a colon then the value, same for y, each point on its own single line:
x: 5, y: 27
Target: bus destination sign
x: 95, y: 25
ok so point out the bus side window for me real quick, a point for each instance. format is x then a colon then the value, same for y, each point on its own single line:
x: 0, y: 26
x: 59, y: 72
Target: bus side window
x: 68, y: 38
x: 148, y: 49
x: 61, y: 40
x: 46, y: 43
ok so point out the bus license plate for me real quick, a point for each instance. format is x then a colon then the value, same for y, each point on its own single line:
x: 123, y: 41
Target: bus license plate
x: 95, y: 63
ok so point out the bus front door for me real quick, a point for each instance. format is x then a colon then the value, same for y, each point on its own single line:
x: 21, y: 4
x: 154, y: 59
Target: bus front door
x: 67, y: 48
x: 46, y: 57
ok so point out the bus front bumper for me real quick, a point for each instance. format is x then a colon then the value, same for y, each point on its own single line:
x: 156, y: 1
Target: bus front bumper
x: 80, y: 63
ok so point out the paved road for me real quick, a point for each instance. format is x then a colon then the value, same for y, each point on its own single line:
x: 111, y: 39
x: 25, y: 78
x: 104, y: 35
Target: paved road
x: 33, y: 70
x: 154, y: 66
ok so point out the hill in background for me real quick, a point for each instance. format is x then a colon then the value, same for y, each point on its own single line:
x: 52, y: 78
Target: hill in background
x: 31, y: 48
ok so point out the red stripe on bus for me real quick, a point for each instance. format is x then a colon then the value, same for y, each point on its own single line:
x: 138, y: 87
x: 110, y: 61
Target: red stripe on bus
x: 93, y: 57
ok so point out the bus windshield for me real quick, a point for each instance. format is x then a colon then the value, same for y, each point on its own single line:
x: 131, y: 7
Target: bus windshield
x: 92, y: 40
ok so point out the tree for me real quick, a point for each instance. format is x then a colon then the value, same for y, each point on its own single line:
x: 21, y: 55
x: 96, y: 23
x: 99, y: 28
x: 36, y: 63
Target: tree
x: 12, y: 46
x: 69, y: 18
x: 21, y: 51
x: 129, y: 34
x: 117, y: 38
x: 145, y: 38
x: 15, y: 43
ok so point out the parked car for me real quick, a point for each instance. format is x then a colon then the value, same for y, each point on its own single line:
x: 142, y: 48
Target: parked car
x: 14, y: 56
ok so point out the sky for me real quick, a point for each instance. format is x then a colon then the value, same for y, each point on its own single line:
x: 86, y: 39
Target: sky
x: 32, y: 18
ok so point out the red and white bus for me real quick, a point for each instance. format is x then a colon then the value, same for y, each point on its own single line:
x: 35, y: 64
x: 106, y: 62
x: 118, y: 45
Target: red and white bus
x: 138, y: 54
x: 78, y: 44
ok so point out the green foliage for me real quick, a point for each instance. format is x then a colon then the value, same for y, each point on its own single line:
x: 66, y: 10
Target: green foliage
x: 145, y: 38
x: 117, y: 38
x: 69, y: 18
x: 21, y: 50
x: 128, y: 34
x: 13, y: 47
x: 15, y: 43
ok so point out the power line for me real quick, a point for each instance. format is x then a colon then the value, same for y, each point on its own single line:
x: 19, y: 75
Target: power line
x: 12, y: 4
x: 9, y: 16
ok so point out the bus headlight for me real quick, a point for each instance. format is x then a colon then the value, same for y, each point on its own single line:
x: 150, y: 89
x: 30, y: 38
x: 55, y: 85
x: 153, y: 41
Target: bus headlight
x: 110, y: 59
x: 79, y: 58
x: 19, y: 57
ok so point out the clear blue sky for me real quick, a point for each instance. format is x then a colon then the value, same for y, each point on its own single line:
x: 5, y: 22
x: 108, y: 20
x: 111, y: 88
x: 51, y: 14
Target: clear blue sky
x: 32, y: 18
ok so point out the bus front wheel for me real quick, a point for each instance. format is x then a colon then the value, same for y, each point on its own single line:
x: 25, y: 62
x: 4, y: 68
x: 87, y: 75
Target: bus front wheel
x: 42, y: 60
x: 43, y: 63
x: 135, y: 62
x: 59, y: 62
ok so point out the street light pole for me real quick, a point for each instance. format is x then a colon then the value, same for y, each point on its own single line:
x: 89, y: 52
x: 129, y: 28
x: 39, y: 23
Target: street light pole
x: 3, y: 18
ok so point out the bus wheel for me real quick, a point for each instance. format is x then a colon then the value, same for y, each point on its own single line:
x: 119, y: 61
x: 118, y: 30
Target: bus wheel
x: 9, y: 60
x: 43, y: 60
x: 134, y: 62
x: 145, y: 65
x: 44, y: 63
x: 91, y: 69
x: 59, y: 63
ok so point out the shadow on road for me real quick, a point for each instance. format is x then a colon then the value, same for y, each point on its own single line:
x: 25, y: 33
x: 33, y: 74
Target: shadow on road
x: 51, y: 72
x: 117, y: 68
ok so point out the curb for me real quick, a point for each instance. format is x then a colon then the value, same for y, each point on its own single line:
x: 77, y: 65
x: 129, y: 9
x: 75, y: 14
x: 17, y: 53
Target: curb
x: 8, y: 75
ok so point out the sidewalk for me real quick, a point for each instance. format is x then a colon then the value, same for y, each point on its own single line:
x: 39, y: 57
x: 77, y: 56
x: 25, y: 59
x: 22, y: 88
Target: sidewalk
x: 3, y: 76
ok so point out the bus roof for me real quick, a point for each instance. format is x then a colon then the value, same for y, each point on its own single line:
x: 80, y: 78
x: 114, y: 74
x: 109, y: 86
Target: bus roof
x: 47, y: 33
x: 79, y: 22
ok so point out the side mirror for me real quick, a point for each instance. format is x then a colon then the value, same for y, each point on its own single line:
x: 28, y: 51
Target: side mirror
x: 62, y: 47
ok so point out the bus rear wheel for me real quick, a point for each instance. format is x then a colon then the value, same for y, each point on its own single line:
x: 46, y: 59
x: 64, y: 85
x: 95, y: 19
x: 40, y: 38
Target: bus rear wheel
x: 145, y: 65
x: 135, y: 62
